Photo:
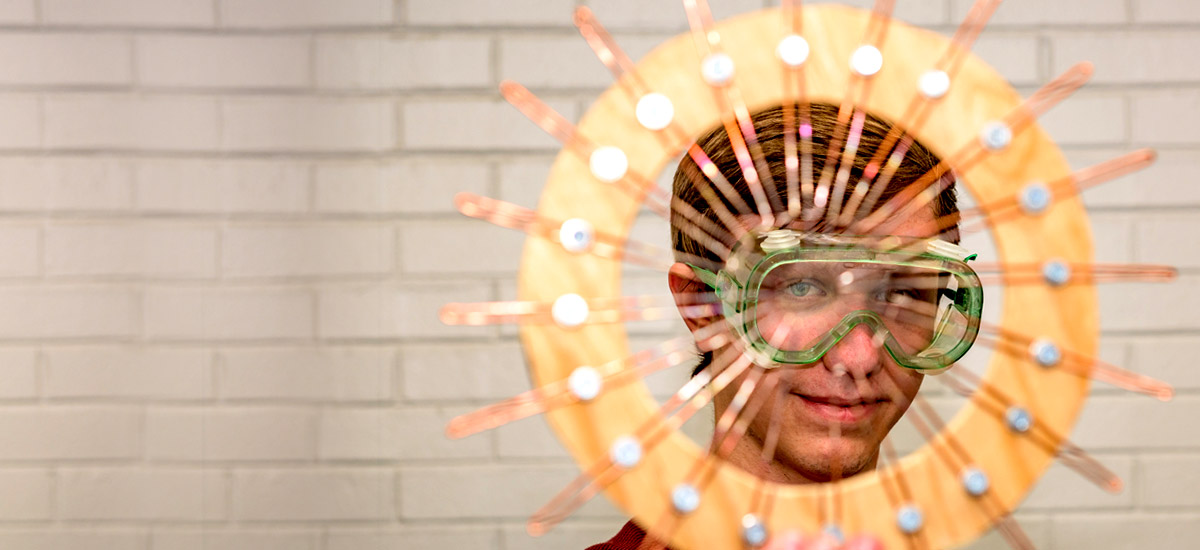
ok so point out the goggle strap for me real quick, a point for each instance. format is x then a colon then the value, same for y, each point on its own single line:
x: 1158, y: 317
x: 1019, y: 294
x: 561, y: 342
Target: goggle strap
x: 707, y: 277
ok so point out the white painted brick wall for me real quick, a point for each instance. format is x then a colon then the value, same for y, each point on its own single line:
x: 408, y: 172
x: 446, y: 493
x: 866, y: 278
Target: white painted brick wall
x: 228, y: 228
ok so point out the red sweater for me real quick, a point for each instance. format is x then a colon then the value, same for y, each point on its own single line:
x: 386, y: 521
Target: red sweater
x: 630, y: 537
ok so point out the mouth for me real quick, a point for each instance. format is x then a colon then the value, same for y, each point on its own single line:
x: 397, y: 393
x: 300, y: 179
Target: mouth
x: 835, y: 409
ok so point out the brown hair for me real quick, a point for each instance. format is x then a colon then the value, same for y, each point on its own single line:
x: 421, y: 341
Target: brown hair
x: 769, y: 128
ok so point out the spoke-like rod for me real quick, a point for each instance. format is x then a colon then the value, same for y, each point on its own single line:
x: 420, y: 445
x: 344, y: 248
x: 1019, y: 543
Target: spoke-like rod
x: 1079, y: 274
x: 594, y: 311
x: 613, y: 374
x: 512, y: 216
x: 923, y: 191
x: 735, y: 116
x: 613, y: 57
x: 867, y: 191
x: 991, y: 399
x: 693, y: 396
x: 1010, y: 208
x: 637, y: 186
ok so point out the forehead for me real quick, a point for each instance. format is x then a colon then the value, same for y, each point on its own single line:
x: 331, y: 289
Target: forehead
x: 921, y: 224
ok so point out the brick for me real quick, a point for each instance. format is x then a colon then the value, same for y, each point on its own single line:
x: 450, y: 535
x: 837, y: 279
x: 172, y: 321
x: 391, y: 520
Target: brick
x: 382, y: 312
x: 914, y: 13
x: 127, y: 373
x: 391, y: 434
x: 1087, y: 120
x: 453, y: 247
x: 1013, y: 55
x: 522, y: 180
x: 631, y: 14
x: 321, y: 374
x: 223, y: 61
x: 306, y: 124
x: 1121, y: 57
x: 156, y: 13
x: 563, y: 61
x: 240, y: 538
x: 1112, y: 237
x: 488, y: 372
x: 55, y: 312
x: 566, y: 535
x: 1127, y: 531
x: 1157, y: 239
x: 52, y: 59
x: 25, y: 494
x: 1165, y: 11
x: 357, y: 494
x: 1062, y: 488
x: 69, y: 538
x: 227, y: 314
x: 155, y: 123
x: 65, y: 184
x: 1137, y: 422
x: 1156, y: 185
x: 486, y: 13
x: 413, y: 538
x: 1150, y: 306
x: 487, y: 492
x: 234, y: 434
x: 1037, y: 528
x: 305, y: 13
x: 1169, y: 481
x: 130, y: 250
x: 1165, y: 117
x: 528, y: 438
x: 306, y: 250
x: 23, y: 129
x: 242, y: 186
x: 1031, y: 12
x: 441, y: 124
x: 19, y: 251
x: 18, y: 11
x: 1168, y: 359
x: 69, y: 433
x: 139, y: 493
x: 18, y: 369
x: 387, y: 63
x: 403, y: 187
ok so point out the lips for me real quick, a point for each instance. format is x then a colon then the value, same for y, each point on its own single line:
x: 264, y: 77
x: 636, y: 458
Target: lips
x: 839, y: 409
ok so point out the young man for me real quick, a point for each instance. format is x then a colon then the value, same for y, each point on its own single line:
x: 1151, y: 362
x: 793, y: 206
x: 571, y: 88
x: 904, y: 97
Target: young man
x: 829, y: 339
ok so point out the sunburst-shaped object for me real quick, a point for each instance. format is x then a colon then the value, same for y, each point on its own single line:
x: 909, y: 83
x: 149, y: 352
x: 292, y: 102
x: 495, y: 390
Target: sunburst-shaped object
x: 973, y: 469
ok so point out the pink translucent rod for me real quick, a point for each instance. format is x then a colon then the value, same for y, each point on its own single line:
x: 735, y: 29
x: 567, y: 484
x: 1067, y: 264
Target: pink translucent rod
x: 739, y: 127
x: 849, y: 152
x: 1016, y: 120
x: 543, y: 115
x: 917, y: 112
x: 512, y: 216
x: 637, y: 186
x: 1031, y: 273
x: 1063, y: 188
x: 689, y: 399
x: 1018, y: 345
x: 603, y: 44
x: 600, y: 310
x: 1073, y: 457
x: 794, y: 91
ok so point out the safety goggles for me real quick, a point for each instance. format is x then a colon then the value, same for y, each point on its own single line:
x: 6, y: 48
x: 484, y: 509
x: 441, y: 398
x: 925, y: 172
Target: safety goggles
x: 791, y: 296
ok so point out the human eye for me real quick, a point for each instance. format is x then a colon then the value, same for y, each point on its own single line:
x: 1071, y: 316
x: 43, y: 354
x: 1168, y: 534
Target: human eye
x: 805, y: 289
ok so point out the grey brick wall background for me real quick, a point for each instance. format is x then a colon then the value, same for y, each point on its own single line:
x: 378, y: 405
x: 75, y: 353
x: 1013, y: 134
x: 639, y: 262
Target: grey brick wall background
x: 226, y: 228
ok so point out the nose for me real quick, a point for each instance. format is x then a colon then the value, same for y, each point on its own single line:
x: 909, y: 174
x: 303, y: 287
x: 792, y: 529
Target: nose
x: 859, y: 353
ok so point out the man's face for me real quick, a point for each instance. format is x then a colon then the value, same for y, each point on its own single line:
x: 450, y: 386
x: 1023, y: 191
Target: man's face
x: 833, y: 414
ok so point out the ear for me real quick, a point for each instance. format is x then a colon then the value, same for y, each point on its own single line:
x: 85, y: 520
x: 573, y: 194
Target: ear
x: 688, y: 291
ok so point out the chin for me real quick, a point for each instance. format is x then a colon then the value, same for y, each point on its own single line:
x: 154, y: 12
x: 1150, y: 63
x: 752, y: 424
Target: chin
x: 828, y: 459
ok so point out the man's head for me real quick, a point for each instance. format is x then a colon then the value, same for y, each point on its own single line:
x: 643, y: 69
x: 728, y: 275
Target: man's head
x: 832, y: 413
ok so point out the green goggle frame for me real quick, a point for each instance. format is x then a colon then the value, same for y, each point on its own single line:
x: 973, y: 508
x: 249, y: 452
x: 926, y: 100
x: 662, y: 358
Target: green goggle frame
x: 737, y: 286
